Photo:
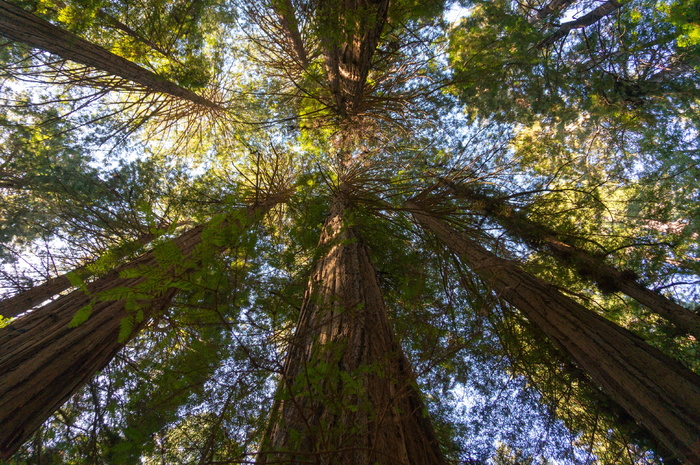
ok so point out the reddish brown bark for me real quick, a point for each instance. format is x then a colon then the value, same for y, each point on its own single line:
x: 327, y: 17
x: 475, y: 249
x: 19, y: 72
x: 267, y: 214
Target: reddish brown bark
x: 588, y: 265
x: 290, y: 26
x: 22, y: 26
x: 655, y: 390
x: 26, y: 300
x: 347, y: 395
x: 43, y: 361
x: 350, y: 33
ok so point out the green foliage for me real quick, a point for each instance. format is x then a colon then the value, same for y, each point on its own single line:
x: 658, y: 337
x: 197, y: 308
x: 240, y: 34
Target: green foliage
x: 595, y: 136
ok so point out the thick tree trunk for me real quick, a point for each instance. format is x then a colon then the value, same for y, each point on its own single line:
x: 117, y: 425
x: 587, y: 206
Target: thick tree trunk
x: 588, y: 265
x: 347, y: 395
x: 43, y: 361
x: 592, y: 17
x: 26, y: 300
x: 655, y: 390
x: 350, y: 33
x: 22, y: 26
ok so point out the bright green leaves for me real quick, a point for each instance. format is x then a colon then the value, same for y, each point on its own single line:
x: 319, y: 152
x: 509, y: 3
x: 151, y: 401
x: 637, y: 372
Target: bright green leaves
x: 81, y: 316
x: 685, y: 15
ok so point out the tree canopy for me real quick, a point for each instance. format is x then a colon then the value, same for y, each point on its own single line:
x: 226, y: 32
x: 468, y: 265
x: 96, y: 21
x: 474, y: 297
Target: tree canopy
x: 357, y: 231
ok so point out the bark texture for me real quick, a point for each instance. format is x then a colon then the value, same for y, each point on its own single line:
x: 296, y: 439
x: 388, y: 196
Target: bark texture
x: 26, y: 300
x: 43, y: 361
x: 588, y: 265
x: 350, y: 31
x: 22, y: 26
x: 592, y: 17
x: 348, y: 394
x: 655, y: 390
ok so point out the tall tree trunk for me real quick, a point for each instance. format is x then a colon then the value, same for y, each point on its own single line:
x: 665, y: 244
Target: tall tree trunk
x: 22, y: 26
x: 26, y: 300
x: 290, y: 25
x: 592, y: 17
x: 655, y: 390
x: 43, y: 361
x: 347, y: 395
x: 350, y: 32
x: 587, y: 265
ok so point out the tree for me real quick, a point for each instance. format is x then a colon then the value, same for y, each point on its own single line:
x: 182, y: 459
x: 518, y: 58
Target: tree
x: 280, y: 303
x: 28, y: 29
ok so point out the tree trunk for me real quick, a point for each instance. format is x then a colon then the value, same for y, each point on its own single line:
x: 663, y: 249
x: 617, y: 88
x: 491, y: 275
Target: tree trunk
x: 290, y: 25
x: 347, y: 394
x: 26, y: 300
x: 43, y: 361
x: 350, y: 34
x: 22, y: 26
x: 551, y: 8
x: 587, y: 265
x: 592, y: 17
x: 655, y: 390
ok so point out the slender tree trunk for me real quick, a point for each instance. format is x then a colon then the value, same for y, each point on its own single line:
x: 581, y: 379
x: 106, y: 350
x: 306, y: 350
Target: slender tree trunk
x: 551, y: 8
x: 43, y: 361
x: 350, y: 34
x: 588, y: 265
x: 347, y: 395
x: 290, y: 26
x: 26, y: 300
x: 655, y: 390
x: 592, y: 17
x: 22, y: 26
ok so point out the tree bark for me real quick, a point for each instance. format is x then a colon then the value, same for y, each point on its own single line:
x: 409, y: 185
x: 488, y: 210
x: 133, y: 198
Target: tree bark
x: 290, y: 25
x: 592, y: 17
x: 587, y: 265
x: 350, y: 36
x: 551, y: 8
x: 655, y: 390
x: 26, y: 300
x: 22, y: 26
x: 43, y: 361
x: 347, y: 394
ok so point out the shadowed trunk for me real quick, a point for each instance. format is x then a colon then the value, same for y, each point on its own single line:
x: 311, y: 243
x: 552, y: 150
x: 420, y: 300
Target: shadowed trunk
x: 350, y: 34
x: 551, y: 8
x: 43, y: 361
x: 348, y: 394
x: 290, y: 26
x: 655, y: 390
x: 26, y: 300
x: 22, y: 26
x: 587, y: 265
x: 592, y: 17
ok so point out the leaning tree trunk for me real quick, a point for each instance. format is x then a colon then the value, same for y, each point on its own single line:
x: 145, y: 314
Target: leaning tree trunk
x: 655, y: 390
x: 43, y: 360
x: 586, y: 264
x: 347, y: 394
x: 592, y: 17
x: 26, y: 300
x: 22, y: 26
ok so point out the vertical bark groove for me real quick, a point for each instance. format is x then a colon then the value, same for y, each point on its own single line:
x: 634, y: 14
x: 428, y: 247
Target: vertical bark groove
x: 348, y: 393
x: 655, y: 390
x: 26, y: 300
x: 586, y: 264
x: 43, y: 361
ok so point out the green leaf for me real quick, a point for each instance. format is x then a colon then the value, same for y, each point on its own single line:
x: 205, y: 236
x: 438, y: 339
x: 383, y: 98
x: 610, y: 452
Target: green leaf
x: 81, y: 316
